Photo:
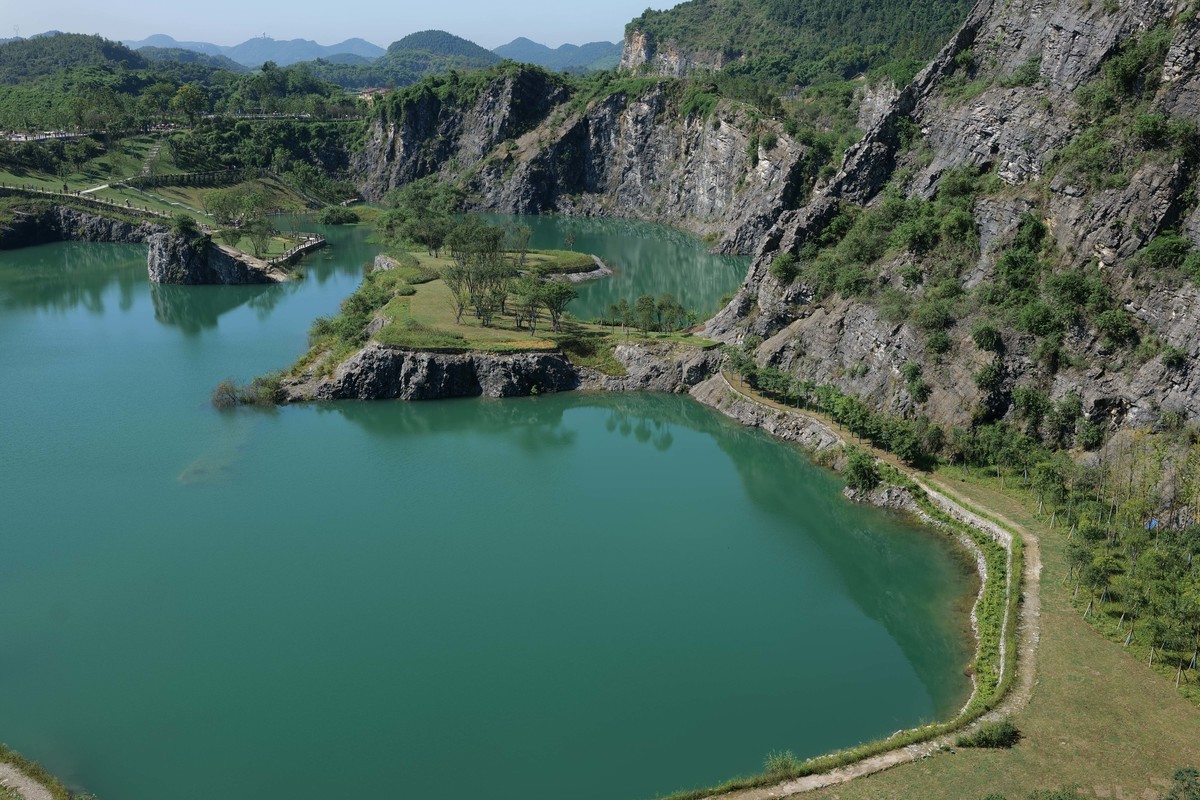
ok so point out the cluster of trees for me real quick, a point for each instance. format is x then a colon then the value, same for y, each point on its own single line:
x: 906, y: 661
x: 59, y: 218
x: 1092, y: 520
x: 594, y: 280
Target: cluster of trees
x: 1133, y: 542
x: 312, y: 156
x: 422, y: 212
x: 242, y: 213
x: 485, y: 274
x: 647, y: 313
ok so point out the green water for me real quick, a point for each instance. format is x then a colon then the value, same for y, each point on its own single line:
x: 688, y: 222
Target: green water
x: 645, y: 258
x: 459, y: 599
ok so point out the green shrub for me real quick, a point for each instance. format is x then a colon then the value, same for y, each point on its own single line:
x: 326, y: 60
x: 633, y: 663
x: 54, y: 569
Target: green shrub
x: 1001, y: 734
x: 1174, y: 357
x: 783, y: 763
x: 939, y: 342
x: 785, y: 268
x: 861, y: 473
x: 990, y: 377
x: 1090, y: 435
x: 1116, y: 325
x: 987, y: 337
x: 1039, y: 319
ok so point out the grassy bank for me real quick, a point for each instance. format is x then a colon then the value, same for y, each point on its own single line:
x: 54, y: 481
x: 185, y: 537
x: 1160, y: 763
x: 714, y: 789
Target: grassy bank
x: 36, y: 772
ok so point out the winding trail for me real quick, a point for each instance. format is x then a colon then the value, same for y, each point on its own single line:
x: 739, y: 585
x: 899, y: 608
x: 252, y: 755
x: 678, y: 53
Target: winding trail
x: 1029, y: 624
x: 22, y: 784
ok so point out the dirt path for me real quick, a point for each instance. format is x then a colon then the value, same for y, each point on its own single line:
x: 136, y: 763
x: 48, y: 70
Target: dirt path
x: 26, y: 787
x: 1027, y: 642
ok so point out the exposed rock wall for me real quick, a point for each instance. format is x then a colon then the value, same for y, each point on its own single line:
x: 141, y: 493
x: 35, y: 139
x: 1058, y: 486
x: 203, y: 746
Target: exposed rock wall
x: 642, y: 156
x: 641, y: 54
x: 378, y: 372
x: 182, y: 260
x: 60, y: 224
x: 1014, y: 131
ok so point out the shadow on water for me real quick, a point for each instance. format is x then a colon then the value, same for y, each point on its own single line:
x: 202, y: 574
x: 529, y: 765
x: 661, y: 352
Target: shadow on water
x: 64, y: 276
x: 869, y: 563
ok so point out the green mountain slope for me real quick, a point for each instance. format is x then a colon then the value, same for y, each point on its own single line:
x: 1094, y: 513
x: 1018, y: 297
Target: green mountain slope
x: 29, y: 59
x: 798, y: 41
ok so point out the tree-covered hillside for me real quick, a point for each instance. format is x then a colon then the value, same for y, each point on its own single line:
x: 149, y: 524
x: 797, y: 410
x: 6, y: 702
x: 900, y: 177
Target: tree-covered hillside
x: 441, y: 43
x: 24, y: 60
x: 798, y: 42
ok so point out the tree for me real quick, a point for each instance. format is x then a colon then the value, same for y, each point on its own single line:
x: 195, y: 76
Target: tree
x: 645, y: 312
x: 528, y: 293
x: 861, y: 473
x: 569, y: 240
x: 518, y: 236
x: 555, y: 297
x: 190, y: 101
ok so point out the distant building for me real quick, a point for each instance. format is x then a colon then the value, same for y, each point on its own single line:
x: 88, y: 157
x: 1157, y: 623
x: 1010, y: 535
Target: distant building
x: 370, y: 95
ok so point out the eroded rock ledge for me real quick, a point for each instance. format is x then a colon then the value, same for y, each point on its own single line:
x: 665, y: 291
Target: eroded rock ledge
x: 382, y: 372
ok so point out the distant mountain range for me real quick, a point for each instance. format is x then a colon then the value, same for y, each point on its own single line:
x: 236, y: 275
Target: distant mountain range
x: 591, y: 56
x: 255, y: 52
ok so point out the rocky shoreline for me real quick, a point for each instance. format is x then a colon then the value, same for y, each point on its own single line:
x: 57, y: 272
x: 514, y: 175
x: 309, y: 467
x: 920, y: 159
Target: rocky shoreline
x: 172, y: 258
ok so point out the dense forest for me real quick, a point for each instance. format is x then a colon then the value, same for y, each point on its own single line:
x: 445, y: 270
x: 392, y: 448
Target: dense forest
x: 789, y: 43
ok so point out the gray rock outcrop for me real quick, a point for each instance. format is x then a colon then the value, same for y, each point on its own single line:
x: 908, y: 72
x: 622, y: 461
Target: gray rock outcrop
x: 61, y: 224
x: 184, y: 260
x: 379, y: 372
x: 972, y: 113
x: 643, y: 156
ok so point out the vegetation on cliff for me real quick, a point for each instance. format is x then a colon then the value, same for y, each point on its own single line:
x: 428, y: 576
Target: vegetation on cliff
x: 784, y: 43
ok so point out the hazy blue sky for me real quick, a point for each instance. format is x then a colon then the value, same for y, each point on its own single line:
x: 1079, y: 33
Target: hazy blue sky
x: 487, y: 22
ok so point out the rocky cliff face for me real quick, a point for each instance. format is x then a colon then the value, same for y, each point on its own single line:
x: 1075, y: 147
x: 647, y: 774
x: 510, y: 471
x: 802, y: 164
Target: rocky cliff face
x: 378, y: 372
x: 182, y: 260
x: 726, y: 176
x: 1014, y: 87
x: 59, y: 224
x: 641, y: 54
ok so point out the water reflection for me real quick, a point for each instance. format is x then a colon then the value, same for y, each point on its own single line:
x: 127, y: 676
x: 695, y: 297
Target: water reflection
x: 194, y: 309
x: 647, y: 259
x: 869, y: 565
x: 64, y: 276
x: 533, y: 424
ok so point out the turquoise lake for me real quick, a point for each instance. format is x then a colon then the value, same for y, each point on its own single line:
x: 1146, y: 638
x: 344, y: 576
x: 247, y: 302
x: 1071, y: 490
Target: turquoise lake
x: 627, y: 595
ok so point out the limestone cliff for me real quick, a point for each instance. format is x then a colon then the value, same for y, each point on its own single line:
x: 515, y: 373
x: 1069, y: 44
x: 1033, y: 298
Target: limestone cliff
x: 725, y: 175
x: 1017, y: 94
x: 184, y: 260
x: 642, y: 53
x: 382, y: 372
